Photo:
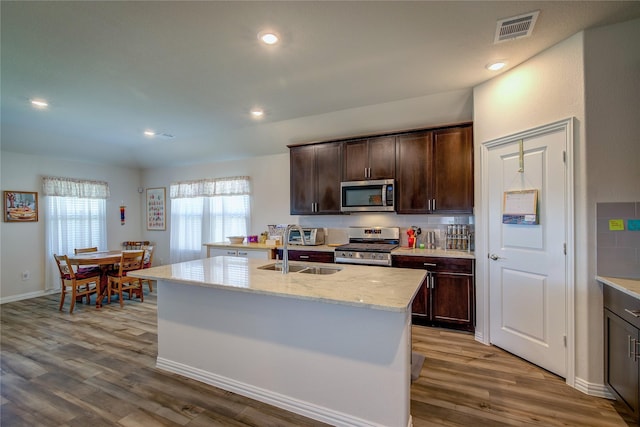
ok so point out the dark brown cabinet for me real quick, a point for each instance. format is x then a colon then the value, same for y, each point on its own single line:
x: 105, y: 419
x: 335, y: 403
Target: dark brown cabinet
x: 434, y: 171
x: 306, y: 255
x: 315, y: 173
x: 371, y: 158
x: 622, y: 347
x: 447, y: 295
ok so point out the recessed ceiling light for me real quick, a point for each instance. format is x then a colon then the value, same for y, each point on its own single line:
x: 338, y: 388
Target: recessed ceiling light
x: 257, y: 113
x: 268, y: 37
x: 149, y: 133
x: 39, y: 103
x: 496, y: 66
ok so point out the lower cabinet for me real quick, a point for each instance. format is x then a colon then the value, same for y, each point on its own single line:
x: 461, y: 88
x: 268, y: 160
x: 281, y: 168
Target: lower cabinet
x: 447, y: 295
x: 622, y: 347
x: 311, y: 256
x: 258, y: 254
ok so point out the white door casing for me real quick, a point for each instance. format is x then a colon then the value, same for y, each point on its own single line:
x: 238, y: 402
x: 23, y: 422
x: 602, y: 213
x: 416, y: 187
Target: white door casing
x: 530, y: 279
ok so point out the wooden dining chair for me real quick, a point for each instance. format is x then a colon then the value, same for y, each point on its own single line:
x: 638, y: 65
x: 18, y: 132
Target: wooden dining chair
x: 119, y: 281
x: 81, y: 284
x: 147, y: 261
x: 87, y: 268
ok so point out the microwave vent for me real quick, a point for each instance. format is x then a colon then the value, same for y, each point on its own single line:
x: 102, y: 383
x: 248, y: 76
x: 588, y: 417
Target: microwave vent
x: 515, y: 27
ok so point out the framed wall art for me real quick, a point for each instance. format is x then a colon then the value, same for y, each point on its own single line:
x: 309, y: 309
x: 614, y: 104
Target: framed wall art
x: 156, y: 209
x: 20, y: 206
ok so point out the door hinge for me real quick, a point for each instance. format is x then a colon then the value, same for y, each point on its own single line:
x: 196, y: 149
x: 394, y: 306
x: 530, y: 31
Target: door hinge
x: 564, y: 248
x: 564, y: 338
x: 564, y: 156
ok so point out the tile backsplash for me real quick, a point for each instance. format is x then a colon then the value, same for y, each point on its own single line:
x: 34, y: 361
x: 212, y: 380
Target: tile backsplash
x: 618, y: 250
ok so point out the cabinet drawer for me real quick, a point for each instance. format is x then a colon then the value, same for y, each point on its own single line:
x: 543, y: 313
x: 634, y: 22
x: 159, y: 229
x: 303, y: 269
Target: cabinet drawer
x: 311, y: 256
x: 434, y: 264
x: 624, y: 305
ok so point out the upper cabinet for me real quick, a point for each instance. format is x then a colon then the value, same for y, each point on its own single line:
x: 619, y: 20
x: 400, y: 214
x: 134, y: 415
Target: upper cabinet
x: 434, y: 171
x: 371, y: 158
x: 315, y: 172
x: 452, y: 170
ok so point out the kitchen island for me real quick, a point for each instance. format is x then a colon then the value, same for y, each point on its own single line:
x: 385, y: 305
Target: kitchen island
x: 333, y: 347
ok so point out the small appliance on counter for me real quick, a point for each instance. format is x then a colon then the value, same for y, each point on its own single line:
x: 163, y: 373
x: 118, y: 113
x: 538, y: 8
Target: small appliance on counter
x: 312, y: 236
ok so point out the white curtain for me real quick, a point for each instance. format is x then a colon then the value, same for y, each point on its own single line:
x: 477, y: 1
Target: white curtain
x: 206, y: 211
x: 75, y: 217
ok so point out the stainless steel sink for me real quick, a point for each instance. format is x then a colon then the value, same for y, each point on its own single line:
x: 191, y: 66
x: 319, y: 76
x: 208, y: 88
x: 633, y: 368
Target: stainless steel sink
x: 300, y: 268
x: 277, y: 266
x: 320, y: 270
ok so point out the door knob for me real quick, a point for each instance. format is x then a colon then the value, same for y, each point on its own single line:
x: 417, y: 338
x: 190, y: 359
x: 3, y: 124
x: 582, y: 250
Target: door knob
x: 494, y: 257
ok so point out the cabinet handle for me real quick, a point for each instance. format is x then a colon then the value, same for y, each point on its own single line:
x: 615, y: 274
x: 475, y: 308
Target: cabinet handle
x: 365, y: 172
x: 429, y: 264
x: 637, y: 356
x: 231, y: 252
x: 429, y: 204
x: 434, y: 204
x: 632, y: 347
x: 243, y: 253
x: 303, y: 256
x: 634, y: 313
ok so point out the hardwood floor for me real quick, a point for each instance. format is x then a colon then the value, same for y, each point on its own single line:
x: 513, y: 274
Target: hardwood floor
x: 97, y: 368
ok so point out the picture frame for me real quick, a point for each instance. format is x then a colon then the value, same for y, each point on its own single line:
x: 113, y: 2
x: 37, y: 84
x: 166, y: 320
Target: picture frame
x: 156, y: 209
x: 20, y: 206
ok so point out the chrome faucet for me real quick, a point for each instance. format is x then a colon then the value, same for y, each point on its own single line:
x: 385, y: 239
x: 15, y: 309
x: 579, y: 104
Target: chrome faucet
x: 285, y: 251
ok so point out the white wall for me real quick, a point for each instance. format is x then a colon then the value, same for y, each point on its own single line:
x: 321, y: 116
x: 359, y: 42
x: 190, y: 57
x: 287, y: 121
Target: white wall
x: 585, y: 78
x: 23, y: 243
x: 270, y: 174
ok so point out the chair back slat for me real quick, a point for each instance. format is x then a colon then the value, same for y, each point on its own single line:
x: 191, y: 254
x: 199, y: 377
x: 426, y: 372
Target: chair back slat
x: 85, y: 250
x: 134, y: 244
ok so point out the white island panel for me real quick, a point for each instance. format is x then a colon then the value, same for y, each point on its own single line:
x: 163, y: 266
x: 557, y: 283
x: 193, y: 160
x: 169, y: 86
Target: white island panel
x: 343, y: 360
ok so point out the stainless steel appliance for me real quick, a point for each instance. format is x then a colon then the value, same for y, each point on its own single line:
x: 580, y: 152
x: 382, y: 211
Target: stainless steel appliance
x: 368, y: 246
x: 312, y: 236
x: 367, y: 196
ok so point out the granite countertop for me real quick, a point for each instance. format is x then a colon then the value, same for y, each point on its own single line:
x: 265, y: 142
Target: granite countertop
x: 380, y: 288
x: 628, y: 286
x: 331, y: 248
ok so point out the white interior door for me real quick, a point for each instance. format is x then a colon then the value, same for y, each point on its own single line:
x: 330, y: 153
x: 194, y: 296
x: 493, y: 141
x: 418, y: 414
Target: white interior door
x: 527, y: 265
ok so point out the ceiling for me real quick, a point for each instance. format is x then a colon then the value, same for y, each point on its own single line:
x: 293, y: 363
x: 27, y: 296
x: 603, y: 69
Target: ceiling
x: 112, y: 69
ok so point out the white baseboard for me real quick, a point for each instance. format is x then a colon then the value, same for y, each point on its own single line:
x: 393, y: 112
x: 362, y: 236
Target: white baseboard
x: 28, y: 295
x: 287, y: 403
x: 593, y: 389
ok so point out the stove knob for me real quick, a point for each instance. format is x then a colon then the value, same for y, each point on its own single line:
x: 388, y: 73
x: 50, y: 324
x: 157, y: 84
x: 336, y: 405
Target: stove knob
x: 350, y: 254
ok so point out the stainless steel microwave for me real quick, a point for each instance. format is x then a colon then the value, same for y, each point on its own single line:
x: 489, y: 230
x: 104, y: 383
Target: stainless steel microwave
x: 368, y: 196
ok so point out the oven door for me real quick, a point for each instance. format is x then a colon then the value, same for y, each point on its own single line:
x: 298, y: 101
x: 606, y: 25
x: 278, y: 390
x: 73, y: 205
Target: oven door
x: 367, y: 196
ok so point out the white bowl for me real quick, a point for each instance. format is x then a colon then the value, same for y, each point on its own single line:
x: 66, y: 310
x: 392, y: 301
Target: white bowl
x: 236, y: 239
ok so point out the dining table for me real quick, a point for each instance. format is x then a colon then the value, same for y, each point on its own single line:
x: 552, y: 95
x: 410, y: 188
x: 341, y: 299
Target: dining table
x: 103, y: 259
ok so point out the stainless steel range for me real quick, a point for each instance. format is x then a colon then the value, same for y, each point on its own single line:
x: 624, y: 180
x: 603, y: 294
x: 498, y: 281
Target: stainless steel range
x: 368, y: 246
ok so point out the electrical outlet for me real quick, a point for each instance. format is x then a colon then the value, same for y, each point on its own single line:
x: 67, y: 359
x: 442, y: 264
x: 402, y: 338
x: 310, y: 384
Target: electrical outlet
x: 26, y: 275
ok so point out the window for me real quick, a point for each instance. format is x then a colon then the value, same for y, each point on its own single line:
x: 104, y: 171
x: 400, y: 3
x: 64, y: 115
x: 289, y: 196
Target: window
x: 206, y: 211
x: 75, y: 217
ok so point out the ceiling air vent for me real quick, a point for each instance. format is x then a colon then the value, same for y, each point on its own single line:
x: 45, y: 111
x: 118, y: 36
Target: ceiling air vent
x: 515, y: 27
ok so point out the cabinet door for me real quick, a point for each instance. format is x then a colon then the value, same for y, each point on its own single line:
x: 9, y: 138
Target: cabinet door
x: 302, y: 177
x: 328, y: 168
x: 621, y: 368
x: 355, y: 161
x: 452, y: 170
x: 412, y: 155
x: 382, y: 158
x: 419, y: 305
x: 452, y: 299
